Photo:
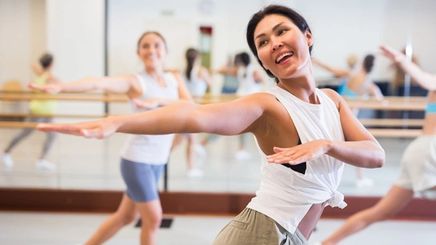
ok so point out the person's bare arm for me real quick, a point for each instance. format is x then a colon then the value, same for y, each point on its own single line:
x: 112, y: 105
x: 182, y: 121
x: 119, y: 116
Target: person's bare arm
x: 360, y: 148
x: 230, y: 118
x: 337, y: 72
x: 424, y: 79
x: 120, y: 84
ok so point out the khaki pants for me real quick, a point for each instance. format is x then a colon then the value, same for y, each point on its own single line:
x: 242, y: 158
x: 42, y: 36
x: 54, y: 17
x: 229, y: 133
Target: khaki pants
x: 253, y: 228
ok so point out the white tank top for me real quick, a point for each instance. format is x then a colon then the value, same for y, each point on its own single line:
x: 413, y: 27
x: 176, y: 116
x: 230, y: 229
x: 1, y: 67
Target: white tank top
x: 152, y: 149
x: 286, y: 195
x: 247, y: 84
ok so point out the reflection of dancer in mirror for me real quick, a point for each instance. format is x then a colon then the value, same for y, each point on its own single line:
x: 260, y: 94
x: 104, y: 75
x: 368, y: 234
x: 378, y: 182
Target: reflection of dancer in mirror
x: 144, y: 156
x: 418, y: 164
x: 306, y: 134
x: 397, y: 82
x: 250, y: 81
x: 197, y: 81
x: 340, y: 73
x: 357, y: 84
x: 40, y: 111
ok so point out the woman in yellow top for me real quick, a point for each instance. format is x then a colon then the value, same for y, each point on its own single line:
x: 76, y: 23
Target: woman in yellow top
x: 41, y: 111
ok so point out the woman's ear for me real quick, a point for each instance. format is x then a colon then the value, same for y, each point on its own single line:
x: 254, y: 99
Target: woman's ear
x: 309, y: 38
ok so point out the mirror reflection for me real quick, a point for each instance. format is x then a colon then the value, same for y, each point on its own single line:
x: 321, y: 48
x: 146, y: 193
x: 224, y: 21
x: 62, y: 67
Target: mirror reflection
x: 105, y: 41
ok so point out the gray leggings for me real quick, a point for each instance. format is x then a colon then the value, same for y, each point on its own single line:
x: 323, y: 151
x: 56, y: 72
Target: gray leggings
x: 27, y: 131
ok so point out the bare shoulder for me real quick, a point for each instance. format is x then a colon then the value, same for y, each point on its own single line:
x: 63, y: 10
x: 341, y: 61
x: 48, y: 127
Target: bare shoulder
x: 267, y: 101
x: 333, y: 95
x: 263, y: 97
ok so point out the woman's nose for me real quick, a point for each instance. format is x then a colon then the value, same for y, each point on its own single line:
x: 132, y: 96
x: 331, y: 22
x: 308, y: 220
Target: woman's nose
x: 277, y: 46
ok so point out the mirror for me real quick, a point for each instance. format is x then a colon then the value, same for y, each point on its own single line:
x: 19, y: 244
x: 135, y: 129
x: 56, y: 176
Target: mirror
x: 90, y: 45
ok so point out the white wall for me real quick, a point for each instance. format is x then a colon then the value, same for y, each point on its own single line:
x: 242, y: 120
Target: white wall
x: 22, y: 38
x: 340, y: 28
x: 76, y: 38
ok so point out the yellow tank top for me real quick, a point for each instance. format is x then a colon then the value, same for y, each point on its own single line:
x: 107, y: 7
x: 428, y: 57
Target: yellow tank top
x: 42, y: 107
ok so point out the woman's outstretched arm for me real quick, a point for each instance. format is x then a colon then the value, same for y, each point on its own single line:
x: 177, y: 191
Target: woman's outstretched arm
x: 360, y: 148
x: 228, y: 118
x: 424, y: 79
x: 120, y: 84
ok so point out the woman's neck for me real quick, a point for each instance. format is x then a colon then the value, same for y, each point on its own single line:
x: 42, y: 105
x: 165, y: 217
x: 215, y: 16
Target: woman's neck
x: 154, y: 71
x: 301, y: 87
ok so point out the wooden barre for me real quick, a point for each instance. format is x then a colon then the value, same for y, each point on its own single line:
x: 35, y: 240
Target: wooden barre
x: 17, y: 124
x: 387, y: 122
x: 24, y: 115
x: 98, y: 97
x: 394, y: 105
x: 71, y: 97
x: 389, y: 103
x: 396, y: 133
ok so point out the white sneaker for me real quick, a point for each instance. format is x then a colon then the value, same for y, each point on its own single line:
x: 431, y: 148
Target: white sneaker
x: 242, y: 155
x: 200, y: 150
x: 7, y: 161
x: 195, y: 172
x: 44, y: 165
x: 364, y: 182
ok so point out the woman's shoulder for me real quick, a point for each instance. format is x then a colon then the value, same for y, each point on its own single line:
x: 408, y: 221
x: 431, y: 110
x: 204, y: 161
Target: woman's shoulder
x: 333, y: 95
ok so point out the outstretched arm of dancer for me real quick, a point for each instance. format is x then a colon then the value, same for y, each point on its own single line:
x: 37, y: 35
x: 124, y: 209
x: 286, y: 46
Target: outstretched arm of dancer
x: 228, y: 118
x: 337, y: 72
x: 360, y: 148
x: 424, y: 79
x: 120, y: 84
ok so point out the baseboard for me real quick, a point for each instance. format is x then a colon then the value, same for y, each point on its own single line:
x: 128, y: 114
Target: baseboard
x: 196, y: 203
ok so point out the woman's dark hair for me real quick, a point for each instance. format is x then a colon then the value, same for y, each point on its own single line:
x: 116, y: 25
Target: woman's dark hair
x: 368, y: 63
x: 242, y: 58
x: 148, y: 33
x: 46, y: 60
x: 190, y: 55
x: 295, y: 17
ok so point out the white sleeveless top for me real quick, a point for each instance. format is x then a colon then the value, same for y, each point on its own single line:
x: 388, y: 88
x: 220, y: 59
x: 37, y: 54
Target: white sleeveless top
x: 151, y: 149
x: 286, y: 195
x: 247, y: 84
x: 196, y: 86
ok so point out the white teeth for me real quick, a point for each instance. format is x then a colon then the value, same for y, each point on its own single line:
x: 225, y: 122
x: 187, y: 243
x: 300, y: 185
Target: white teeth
x: 284, y: 55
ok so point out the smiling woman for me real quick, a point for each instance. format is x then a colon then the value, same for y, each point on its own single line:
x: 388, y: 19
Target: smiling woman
x: 144, y: 156
x: 295, y: 123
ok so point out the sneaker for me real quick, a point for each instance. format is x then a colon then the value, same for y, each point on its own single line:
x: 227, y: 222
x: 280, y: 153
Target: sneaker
x: 242, y: 155
x: 44, y: 165
x: 364, y: 182
x: 200, y: 150
x: 7, y: 161
x: 195, y: 172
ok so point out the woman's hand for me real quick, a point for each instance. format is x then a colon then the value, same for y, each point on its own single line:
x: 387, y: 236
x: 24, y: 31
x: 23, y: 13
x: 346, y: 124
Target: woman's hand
x: 99, y: 129
x: 300, y: 153
x: 392, y: 54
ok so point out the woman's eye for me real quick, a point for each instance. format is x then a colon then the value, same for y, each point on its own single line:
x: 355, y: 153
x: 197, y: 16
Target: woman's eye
x: 262, y: 43
x: 281, y: 32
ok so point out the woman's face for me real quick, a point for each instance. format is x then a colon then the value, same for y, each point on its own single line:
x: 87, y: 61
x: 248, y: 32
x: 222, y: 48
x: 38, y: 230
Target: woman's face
x: 152, y: 51
x: 282, y: 48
